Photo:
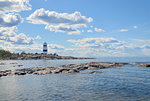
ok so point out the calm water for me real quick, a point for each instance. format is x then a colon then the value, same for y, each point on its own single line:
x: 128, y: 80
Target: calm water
x: 130, y: 83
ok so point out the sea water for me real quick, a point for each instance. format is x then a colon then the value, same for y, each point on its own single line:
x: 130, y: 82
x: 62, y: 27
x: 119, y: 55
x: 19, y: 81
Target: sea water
x: 129, y: 83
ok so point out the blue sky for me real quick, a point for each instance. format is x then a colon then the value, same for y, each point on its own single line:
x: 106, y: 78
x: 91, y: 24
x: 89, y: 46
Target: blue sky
x: 92, y: 28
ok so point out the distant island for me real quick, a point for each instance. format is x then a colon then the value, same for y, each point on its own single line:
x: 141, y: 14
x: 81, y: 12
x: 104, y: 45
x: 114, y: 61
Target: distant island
x: 7, y: 55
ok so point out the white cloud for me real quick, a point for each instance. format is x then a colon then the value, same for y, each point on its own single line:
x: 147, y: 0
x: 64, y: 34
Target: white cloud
x: 8, y: 31
x: 37, y: 37
x: 101, y: 43
x: 8, y: 34
x: 41, y: 16
x: 60, y: 28
x: 59, y: 22
x: 92, y: 52
x: 10, y: 19
x: 91, y: 26
x: 135, y: 27
x: 123, y: 30
x: 97, y: 47
x: 141, y: 40
x: 99, y: 30
x: 14, y: 5
x: 90, y: 31
x: 19, y: 48
x: 146, y: 46
x: 56, y: 47
x: 20, y: 39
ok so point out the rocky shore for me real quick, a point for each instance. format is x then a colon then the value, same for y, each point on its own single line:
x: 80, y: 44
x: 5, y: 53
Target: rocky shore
x: 42, y: 57
x: 71, y: 68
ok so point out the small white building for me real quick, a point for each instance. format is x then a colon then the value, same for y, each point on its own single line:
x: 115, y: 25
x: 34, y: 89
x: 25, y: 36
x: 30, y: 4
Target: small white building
x: 45, y: 48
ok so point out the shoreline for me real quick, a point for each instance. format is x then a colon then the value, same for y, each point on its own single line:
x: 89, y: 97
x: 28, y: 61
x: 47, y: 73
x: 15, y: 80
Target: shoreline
x: 51, y: 59
x: 46, y: 57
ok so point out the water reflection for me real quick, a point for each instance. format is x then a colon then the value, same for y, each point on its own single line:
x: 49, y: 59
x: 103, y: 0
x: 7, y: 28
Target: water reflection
x: 111, y: 85
x: 129, y: 83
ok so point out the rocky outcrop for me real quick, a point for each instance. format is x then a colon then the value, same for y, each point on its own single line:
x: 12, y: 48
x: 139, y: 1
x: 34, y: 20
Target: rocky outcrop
x: 71, y: 68
x: 144, y: 65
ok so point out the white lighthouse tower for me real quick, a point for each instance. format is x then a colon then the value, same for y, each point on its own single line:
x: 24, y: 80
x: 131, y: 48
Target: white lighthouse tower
x: 45, y: 48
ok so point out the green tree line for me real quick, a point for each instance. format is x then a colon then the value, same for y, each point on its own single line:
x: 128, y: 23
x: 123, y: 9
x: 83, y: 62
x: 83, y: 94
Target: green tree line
x: 8, y: 55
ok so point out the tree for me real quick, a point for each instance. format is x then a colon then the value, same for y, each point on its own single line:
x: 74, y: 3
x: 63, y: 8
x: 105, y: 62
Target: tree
x: 22, y: 53
x: 5, y: 54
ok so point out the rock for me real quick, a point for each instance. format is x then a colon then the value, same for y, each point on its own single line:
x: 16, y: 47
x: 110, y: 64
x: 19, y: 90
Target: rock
x: 4, y: 74
x: 120, y: 64
x: 61, y: 70
x: 118, y: 67
x: 19, y: 73
x: 144, y: 65
x: 42, y: 72
x: 29, y: 71
x: 20, y: 65
x: 2, y: 63
x: 65, y: 71
x: 14, y: 63
x: 92, y: 68
x: 92, y: 72
x: 133, y: 63
x: 81, y: 68
x: 95, y: 72
x: 147, y: 65
x: 56, y: 71
x: 73, y: 71
x: 7, y: 70
x: 22, y: 73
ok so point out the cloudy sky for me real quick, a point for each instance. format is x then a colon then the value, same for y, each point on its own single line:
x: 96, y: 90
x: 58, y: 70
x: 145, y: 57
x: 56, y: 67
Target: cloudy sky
x: 93, y: 28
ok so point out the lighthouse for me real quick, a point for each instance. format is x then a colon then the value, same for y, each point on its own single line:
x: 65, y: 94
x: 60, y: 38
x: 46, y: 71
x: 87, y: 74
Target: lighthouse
x: 45, y: 48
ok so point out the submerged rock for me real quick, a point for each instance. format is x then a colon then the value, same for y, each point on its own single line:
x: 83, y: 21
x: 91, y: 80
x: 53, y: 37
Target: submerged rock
x: 92, y: 72
x: 20, y: 65
x: 14, y: 63
x: 118, y: 67
x: 95, y: 72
